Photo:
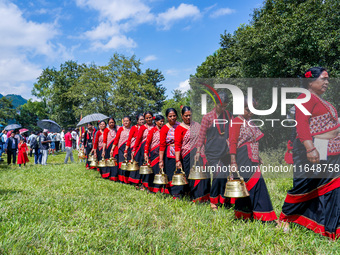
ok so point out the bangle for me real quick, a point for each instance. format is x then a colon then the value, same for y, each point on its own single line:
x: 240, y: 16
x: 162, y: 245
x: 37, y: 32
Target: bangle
x: 125, y: 151
x: 310, y: 150
x: 178, y: 161
x: 234, y: 162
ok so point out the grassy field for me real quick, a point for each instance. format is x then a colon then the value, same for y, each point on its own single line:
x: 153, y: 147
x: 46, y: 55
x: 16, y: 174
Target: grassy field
x: 66, y: 209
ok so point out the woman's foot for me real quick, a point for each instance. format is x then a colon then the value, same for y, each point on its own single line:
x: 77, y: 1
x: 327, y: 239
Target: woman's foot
x: 213, y: 207
x: 137, y: 187
x: 142, y: 188
x: 283, y: 225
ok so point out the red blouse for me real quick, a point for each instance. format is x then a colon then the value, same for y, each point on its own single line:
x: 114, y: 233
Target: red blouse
x: 106, y: 135
x: 133, y: 134
x: 98, y: 140
x: 317, y: 108
x: 150, y: 140
x: 163, y: 133
x: 121, y: 137
x: 179, y: 135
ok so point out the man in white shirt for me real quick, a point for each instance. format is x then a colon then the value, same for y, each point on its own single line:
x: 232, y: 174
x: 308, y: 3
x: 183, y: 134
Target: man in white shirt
x: 62, y: 137
x: 57, y: 141
x: 74, y: 139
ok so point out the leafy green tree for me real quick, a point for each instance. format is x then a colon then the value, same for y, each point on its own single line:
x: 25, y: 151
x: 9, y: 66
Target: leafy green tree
x: 7, y: 112
x: 30, y: 113
x: 178, y: 99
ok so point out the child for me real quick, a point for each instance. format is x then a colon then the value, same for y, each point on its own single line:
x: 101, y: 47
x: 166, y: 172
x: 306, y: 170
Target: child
x: 22, y: 155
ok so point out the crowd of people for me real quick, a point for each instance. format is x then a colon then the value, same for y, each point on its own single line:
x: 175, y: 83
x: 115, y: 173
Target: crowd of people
x: 40, y: 144
x: 167, y: 145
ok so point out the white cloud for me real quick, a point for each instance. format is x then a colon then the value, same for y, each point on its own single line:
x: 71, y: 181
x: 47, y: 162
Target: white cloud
x: 21, y: 40
x: 149, y: 58
x: 184, y: 86
x: 16, y: 32
x: 168, y: 18
x: 221, y: 12
x: 116, y: 17
x: 17, y: 76
x: 117, y: 41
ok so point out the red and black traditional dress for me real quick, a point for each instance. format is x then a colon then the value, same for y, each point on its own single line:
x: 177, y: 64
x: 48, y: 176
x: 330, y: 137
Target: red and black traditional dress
x: 152, y: 149
x: 88, y: 144
x: 138, y: 150
x: 110, y: 172
x: 22, y: 154
x: 134, y: 176
x: 314, y: 200
x: 98, y: 144
x: 244, y: 144
x: 215, y: 136
x: 167, y: 144
x: 186, y: 138
x: 120, y: 141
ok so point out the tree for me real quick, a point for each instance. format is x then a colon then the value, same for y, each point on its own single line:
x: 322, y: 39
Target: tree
x: 7, y: 112
x: 179, y: 99
x: 53, y: 88
x: 30, y: 113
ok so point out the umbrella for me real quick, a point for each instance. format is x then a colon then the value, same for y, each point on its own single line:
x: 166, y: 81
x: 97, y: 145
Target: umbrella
x: 12, y: 127
x: 50, y: 125
x: 1, y: 125
x: 23, y: 130
x: 92, y: 118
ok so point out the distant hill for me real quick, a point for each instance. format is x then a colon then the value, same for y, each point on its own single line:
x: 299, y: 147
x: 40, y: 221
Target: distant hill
x: 17, y: 100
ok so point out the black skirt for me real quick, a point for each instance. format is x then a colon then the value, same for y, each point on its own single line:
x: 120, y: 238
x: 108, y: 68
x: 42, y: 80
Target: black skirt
x: 314, y: 202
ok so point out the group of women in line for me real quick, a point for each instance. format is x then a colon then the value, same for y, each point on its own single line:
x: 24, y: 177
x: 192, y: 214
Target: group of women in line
x: 312, y: 202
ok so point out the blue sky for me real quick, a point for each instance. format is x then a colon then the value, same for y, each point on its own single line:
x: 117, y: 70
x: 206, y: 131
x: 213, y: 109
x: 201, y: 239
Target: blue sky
x: 173, y: 36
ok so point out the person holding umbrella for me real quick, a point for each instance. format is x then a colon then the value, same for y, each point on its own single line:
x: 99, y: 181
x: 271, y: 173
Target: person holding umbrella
x: 44, y: 146
x: 11, y: 148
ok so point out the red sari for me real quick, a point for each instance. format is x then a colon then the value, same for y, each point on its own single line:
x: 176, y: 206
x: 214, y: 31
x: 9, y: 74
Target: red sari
x: 110, y: 172
x: 186, y: 138
x: 22, y: 155
x: 243, y: 141
x: 134, y: 176
x: 138, y: 150
x: 120, y: 141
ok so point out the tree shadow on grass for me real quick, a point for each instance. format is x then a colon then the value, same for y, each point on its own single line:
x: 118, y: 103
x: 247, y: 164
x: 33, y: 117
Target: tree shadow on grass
x: 9, y: 192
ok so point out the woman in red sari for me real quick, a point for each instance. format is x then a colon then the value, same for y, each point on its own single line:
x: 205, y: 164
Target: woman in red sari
x: 134, y: 176
x: 120, y: 142
x: 151, y: 153
x: 110, y: 172
x: 167, y: 151
x: 244, y: 153
x: 99, y: 141
x: 186, y: 136
x: 22, y: 153
x: 314, y: 200
x: 138, y: 149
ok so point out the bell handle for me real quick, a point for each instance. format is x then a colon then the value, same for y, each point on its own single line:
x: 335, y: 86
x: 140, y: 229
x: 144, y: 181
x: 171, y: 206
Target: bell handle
x: 182, y: 171
x: 161, y: 171
x: 194, y: 165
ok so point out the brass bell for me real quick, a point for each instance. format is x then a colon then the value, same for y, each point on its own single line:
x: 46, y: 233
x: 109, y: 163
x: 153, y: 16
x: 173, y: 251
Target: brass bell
x: 124, y: 165
x: 132, y: 166
x: 102, y: 163
x: 198, y: 174
x: 145, y: 169
x: 161, y: 178
x: 111, y: 162
x: 236, y: 188
x: 91, y: 157
x: 81, y: 154
x: 94, y: 163
x: 179, y: 179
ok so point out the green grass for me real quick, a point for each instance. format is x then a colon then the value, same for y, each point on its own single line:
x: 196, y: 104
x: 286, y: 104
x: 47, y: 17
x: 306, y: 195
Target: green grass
x: 66, y: 209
